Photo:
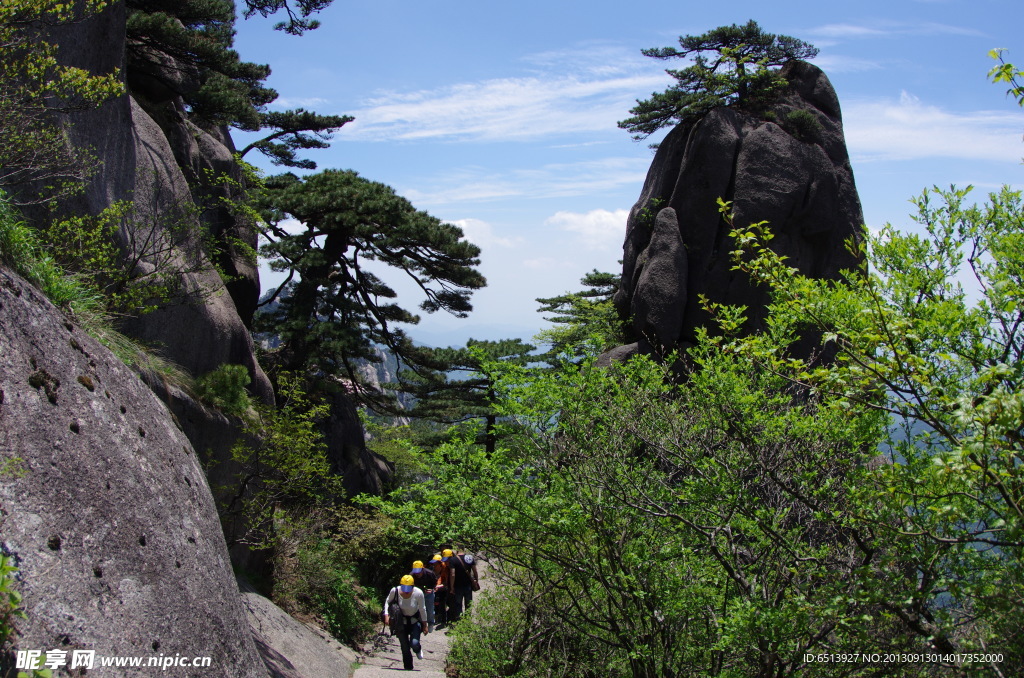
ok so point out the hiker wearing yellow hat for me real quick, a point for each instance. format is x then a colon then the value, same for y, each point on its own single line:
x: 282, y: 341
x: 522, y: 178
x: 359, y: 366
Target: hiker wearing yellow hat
x: 441, y: 574
x: 406, y: 613
x: 425, y: 580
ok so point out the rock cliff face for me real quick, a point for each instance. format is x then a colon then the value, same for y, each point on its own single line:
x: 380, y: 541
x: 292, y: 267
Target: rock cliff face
x: 149, y: 153
x: 788, y: 166
x: 181, y: 179
x: 104, y: 506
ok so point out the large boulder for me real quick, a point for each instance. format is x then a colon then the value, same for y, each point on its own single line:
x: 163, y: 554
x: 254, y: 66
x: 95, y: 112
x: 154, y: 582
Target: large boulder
x: 202, y: 328
x: 180, y: 180
x: 787, y: 165
x: 104, y: 507
x: 290, y: 648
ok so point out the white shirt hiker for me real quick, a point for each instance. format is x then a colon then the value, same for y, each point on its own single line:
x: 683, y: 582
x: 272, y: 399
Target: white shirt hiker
x: 409, y: 606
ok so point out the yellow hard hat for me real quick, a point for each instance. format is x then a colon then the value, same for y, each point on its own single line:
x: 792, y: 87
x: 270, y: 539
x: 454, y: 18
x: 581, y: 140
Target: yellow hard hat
x: 447, y: 553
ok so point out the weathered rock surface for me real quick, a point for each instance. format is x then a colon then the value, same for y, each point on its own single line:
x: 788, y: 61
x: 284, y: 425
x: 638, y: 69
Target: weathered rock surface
x: 361, y: 470
x: 104, y: 506
x: 795, y: 176
x: 290, y: 648
x: 182, y: 178
x: 148, y: 152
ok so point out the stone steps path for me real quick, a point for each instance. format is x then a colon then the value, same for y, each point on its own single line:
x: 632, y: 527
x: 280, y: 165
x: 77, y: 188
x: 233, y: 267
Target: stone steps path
x: 382, y: 657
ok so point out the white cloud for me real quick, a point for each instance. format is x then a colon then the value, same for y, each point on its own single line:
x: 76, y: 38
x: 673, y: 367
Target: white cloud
x: 482, y: 234
x: 910, y: 129
x: 838, y: 63
x: 298, y: 102
x: 885, y: 29
x: 557, y: 180
x: 501, y: 110
x: 599, y: 229
x: 583, y: 90
x: 847, y: 31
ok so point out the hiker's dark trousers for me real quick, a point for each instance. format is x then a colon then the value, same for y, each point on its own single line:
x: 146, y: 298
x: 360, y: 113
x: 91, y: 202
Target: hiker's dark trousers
x: 460, y: 599
x: 441, y: 606
x: 409, y: 639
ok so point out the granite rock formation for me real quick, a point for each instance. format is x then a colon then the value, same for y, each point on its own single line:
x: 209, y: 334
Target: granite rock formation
x: 104, y: 506
x: 787, y: 165
x: 289, y: 648
x: 148, y: 152
x: 181, y: 178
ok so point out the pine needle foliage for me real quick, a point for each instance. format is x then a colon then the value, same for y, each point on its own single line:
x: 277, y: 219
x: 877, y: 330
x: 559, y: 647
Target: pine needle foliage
x: 731, y: 66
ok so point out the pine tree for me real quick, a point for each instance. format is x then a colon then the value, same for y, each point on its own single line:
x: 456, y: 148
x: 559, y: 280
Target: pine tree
x: 332, y: 309
x: 581, y: 317
x: 297, y: 24
x: 458, y: 388
x: 295, y: 130
x: 184, y: 48
x: 743, y: 71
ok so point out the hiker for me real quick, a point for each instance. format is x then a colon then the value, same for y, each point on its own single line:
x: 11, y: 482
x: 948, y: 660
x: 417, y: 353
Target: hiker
x: 465, y: 580
x: 407, y: 600
x: 441, y: 588
x: 425, y: 580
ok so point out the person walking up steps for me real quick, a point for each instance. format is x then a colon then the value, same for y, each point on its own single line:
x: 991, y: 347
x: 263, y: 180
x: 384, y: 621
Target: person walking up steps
x: 407, y: 600
x: 465, y: 580
x: 425, y: 580
x: 440, y: 589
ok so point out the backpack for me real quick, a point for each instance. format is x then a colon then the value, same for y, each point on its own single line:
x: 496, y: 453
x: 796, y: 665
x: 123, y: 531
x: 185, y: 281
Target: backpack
x: 395, y: 616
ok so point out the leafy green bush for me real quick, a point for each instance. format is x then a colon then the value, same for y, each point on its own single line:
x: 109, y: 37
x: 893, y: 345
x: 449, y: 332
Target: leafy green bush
x: 10, y: 601
x: 10, y: 612
x: 225, y: 389
x: 282, y: 465
x: 486, y: 647
x: 20, y: 249
x: 315, y: 575
x: 513, y: 633
x: 803, y: 125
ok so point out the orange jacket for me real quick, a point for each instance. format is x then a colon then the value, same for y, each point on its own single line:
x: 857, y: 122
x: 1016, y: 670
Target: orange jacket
x: 444, y: 575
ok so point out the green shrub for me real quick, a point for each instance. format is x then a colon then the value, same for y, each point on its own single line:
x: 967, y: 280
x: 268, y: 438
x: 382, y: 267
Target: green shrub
x: 225, y: 389
x: 803, y: 125
x: 513, y: 633
x: 10, y: 612
x: 282, y: 464
x: 314, y: 574
x: 10, y: 601
x: 20, y: 249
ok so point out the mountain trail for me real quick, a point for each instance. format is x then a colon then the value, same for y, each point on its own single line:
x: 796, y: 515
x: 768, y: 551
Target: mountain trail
x: 381, y: 657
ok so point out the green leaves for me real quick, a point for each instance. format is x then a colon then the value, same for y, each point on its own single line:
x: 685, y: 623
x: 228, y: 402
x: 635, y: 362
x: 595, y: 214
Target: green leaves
x: 931, y: 336
x: 584, y: 317
x: 763, y: 506
x: 1008, y: 73
x: 33, y: 87
x: 282, y: 462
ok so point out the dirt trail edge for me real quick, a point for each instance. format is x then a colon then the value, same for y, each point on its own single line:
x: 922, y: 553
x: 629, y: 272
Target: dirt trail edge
x: 381, y: 656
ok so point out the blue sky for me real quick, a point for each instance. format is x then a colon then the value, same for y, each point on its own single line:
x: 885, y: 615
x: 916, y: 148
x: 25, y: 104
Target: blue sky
x: 500, y: 117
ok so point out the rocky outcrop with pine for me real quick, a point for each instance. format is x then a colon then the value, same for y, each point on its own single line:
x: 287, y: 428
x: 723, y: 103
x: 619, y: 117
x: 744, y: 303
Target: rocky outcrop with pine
x: 787, y: 165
